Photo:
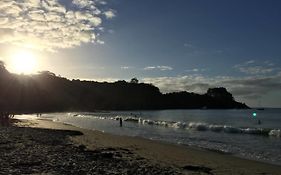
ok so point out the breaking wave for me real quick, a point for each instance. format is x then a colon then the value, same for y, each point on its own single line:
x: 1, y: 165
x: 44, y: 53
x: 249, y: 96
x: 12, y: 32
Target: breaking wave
x: 198, y: 126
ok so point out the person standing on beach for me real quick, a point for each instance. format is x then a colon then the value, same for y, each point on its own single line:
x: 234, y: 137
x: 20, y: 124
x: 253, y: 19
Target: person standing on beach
x: 120, y: 120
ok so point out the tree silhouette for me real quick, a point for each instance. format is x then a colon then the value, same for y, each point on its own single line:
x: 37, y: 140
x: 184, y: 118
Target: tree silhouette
x: 46, y: 92
x: 2, y: 66
x: 134, y: 80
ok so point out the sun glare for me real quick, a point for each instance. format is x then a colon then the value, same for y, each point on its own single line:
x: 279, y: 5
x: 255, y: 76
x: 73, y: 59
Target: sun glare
x: 23, y: 62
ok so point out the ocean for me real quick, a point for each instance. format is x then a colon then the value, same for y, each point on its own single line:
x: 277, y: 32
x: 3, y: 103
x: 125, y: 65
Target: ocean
x: 251, y: 134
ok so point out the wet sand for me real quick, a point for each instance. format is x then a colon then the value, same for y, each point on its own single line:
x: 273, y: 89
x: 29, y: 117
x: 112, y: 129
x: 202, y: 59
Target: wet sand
x: 41, y: 146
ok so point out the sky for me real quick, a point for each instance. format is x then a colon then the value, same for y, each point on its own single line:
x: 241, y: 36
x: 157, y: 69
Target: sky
x: 179, y: 45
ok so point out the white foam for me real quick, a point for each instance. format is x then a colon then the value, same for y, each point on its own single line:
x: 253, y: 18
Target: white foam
x: 179, y: 125
x: 149, y: 122
x: 198, y: 126
x: 216, y: 128
x: 275, y: 132
x: 161, y: 123
x: 230, y: 129
x: 251, y: 131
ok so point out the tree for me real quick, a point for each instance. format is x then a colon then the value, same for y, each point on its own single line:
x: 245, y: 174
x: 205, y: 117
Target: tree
x: 134, y: 80
x: 2, y: 65
x: 47, y: 73
x: 220, y: 93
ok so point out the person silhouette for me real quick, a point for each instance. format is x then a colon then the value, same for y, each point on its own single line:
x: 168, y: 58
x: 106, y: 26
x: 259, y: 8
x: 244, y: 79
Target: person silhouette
x: 120, y: 120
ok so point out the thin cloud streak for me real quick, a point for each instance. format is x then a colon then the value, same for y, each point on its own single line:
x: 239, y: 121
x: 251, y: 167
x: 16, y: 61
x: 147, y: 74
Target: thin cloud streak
x: 252, y: 68
x: 126, y: 67
x: 195, y: 70
x: 161, y: 68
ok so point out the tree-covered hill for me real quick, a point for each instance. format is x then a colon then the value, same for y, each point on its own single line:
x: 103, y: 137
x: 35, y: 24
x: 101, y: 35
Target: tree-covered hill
x: 46, y: 92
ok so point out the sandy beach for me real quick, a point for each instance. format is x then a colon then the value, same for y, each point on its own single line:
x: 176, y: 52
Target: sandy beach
x: 46, y: 147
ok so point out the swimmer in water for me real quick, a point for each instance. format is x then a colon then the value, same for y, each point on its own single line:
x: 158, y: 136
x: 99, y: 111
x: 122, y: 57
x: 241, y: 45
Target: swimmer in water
x: 120, y: 119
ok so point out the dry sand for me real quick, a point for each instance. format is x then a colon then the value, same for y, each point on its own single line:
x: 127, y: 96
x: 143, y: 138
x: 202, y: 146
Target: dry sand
x: 141, y: 156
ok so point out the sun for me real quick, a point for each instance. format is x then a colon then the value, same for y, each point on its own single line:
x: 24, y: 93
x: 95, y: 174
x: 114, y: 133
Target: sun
x: 23, y: 62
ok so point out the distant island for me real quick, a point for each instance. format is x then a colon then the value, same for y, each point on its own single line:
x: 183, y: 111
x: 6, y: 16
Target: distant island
x: 46, y: 92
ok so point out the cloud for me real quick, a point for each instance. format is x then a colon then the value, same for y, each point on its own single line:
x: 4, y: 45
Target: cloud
x: 255, y: 70
x: 100, y: 42
x: 162, y: 68
x: 250, y: 87
x: 83, y: 3
x: 126, y: 67
x: 192, y: 83
x: 109, y: 14
x: 252, y: 68
x: 149, y: 68
x: 269, y: 63
x: 49, y: 24
x: 257, y: 83
x: 195, y: 70
x: 110, y: 80
x: 188, y: 45
x: 250, y: 62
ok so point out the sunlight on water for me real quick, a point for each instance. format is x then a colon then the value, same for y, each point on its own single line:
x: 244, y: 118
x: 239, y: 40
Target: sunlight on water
x: 26, y: 116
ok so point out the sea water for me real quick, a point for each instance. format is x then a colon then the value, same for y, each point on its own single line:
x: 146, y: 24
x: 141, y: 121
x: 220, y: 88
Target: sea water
x: 251, y: 134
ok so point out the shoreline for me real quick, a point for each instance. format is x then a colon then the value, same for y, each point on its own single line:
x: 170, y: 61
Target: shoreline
x: 250, y: 157
x: 182, y: 157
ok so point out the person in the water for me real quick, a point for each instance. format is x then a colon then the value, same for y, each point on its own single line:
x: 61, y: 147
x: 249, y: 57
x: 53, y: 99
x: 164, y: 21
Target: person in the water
x: 121, y: 122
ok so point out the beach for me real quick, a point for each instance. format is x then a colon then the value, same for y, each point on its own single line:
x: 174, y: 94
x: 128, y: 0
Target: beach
x: 47, y: 147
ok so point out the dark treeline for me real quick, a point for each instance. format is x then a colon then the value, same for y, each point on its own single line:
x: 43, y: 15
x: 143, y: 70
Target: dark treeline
x: 46, y: 92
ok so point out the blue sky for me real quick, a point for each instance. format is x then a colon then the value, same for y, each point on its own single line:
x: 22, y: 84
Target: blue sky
x: 177, y: 45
